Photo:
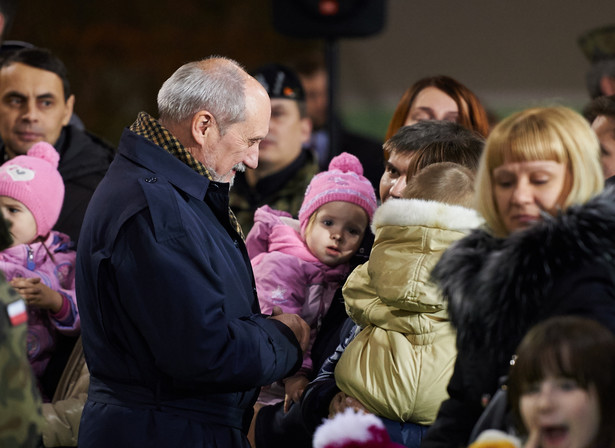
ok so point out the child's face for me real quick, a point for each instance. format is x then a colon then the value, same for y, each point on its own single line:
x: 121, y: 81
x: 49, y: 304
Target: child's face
x: 558, y: 413
x: 337, y: 232
x: 21, y: 221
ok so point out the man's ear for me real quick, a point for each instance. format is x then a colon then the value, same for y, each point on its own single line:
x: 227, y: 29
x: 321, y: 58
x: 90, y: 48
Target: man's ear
x: 203, y: 122
x: 306, y: 129
x: 70, y: 107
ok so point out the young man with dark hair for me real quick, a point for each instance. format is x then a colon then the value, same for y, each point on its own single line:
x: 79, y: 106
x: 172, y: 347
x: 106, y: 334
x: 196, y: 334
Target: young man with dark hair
x: 36, y: 104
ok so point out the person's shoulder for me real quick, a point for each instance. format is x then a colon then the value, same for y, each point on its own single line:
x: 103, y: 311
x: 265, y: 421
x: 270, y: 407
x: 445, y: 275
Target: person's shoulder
x: 87, y: 141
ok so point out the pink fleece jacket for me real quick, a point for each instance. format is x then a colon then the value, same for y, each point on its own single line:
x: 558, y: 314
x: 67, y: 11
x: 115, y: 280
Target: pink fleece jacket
x: 287, y: 274
x: 32, y: 260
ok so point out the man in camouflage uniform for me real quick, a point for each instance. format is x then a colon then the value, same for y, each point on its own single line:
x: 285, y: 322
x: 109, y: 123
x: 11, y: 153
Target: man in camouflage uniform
x: 284, y: 168
x: 20, y: 404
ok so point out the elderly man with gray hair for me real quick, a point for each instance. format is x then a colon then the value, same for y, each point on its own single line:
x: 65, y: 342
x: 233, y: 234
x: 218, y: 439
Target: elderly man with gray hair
x: 172, y: 332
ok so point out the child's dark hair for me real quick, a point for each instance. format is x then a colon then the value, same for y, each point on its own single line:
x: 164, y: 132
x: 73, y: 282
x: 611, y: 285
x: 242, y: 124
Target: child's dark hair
x: 571, y: 347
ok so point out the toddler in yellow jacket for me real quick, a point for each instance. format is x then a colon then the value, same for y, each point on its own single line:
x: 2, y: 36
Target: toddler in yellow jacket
x: 400, y: 363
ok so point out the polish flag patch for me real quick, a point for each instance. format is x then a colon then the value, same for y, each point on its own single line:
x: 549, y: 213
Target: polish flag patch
x: 17, y: 312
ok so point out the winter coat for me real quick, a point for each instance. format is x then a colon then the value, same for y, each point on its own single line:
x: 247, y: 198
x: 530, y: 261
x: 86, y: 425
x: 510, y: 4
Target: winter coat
x: 34, y: 261
x: 288, y: 275
x: 498, y: 288
x: 63, y: 414
x: 398, y: 366
x: 174, y: 339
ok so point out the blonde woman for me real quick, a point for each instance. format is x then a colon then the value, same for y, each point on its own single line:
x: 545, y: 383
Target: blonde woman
x: 547, y: 249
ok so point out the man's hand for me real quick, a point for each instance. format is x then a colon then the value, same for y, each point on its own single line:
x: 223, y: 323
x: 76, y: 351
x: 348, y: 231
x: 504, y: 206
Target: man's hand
x: 37, y: 294
x: 341, y: 402
x: 295, y: 323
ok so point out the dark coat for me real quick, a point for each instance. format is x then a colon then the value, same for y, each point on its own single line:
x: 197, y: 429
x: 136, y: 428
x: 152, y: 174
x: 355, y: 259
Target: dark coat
x: 172, y: 332
x: 84, y: 160
x: 499, y: 288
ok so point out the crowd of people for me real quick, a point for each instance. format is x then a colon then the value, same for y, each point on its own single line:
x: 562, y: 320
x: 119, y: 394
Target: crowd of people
x: 232, y: 276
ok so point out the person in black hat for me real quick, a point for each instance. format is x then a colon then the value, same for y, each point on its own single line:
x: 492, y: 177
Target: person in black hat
x: 598, y: 46
x: 284, y: 169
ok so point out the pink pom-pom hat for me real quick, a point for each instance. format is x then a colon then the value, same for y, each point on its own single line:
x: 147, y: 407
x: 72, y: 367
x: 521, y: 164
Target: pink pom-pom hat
x: 344, y: 182
x: 34, y: 181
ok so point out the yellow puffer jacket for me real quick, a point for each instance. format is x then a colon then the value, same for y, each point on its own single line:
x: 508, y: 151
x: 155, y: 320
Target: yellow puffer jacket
x: 399, y: 365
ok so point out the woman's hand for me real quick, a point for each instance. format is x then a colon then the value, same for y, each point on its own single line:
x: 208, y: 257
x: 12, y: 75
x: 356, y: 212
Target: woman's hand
x: 341, y: 402
x: 37, y: 294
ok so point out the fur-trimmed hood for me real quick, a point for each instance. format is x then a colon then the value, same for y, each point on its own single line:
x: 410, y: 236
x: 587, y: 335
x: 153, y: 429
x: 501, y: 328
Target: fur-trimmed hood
x: 498, y: 288
x: 418, y: 212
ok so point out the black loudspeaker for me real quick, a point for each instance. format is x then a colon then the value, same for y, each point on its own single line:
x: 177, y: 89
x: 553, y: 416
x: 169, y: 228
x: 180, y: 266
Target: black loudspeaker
x: 328, y: 18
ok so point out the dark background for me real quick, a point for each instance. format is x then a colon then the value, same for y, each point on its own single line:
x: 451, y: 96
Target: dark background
x: 513, y: 54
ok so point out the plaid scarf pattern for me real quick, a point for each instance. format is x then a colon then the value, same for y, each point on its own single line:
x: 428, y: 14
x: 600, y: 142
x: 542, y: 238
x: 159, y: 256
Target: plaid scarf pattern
x: 150, y: 129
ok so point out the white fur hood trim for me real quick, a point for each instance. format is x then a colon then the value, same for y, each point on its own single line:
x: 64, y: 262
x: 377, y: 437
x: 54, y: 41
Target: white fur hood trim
x: 418, y: 212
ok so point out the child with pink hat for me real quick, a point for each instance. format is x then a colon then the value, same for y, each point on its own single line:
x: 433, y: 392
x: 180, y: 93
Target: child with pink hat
x: 298, y: 266
x: 40, y: 263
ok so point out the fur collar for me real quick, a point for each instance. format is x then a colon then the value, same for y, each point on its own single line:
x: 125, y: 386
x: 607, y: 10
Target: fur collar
x: 498, y: 287
x: 417, y: 212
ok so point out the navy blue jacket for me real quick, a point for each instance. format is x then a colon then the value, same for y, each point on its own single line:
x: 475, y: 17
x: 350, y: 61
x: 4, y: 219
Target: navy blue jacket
x: 172, y: 331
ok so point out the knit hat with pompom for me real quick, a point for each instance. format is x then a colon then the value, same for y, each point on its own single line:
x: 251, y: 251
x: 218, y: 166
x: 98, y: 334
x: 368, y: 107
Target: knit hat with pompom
x: 34, y: 181
x: 344, y: 182
x: 351, y: 429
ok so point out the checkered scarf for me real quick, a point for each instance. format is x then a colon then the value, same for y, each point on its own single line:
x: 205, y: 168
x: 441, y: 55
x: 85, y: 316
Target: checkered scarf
x: 149, y: 128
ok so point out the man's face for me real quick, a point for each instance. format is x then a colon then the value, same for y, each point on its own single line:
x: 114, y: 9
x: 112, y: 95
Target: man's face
x: 32, y: 107
x: 238, y: 147
x: 287, y: 133
x: 604, y: 127
x: 316, y: 98
x: 393, y: 180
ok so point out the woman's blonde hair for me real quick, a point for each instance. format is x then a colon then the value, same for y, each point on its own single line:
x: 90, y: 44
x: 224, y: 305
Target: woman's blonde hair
x: 543, y: 133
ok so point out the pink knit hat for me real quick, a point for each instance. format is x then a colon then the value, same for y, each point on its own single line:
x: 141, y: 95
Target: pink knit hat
x: 343, y: 182
x: 34, y: 181
x: 352, y: 429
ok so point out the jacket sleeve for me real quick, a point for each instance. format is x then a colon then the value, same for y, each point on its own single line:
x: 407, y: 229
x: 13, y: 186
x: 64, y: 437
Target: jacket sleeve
x: 280, y: 281
x: 191, y: 309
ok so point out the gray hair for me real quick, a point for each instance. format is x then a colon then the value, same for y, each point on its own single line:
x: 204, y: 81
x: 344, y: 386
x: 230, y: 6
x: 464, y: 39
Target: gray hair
x: 216, y: 84
x: 605, y: 67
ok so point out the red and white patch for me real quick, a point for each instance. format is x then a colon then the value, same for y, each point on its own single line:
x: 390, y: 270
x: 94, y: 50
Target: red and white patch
x: 17, y: 312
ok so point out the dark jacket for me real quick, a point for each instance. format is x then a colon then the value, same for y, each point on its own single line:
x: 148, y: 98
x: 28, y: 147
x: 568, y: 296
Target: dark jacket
x: 499, y: 288
x: 175, y: 343
x: 84, y: 159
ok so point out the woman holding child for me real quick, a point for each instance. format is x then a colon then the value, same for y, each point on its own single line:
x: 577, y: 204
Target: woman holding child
x: 547, y: 250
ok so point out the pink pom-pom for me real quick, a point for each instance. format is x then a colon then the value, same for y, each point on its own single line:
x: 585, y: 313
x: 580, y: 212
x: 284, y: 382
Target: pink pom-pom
x: 346, y: 163
x: 45, y: 151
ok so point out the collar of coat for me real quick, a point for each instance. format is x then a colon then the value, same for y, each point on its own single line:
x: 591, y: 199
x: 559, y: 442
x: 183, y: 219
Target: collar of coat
x: 418, y: 212
x: 151, y: 129
x: 498, y: 287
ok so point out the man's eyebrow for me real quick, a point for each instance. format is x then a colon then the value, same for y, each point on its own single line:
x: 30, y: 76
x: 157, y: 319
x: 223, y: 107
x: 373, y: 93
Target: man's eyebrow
x: 14, y: 94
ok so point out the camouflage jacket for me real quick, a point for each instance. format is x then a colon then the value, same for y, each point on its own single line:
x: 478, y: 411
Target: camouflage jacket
x: 20, y: 404
x: 281, y: 191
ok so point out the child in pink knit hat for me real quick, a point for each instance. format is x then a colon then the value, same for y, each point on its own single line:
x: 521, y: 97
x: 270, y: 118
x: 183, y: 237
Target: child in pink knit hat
x: 298, y: 266
x: 40, y: 263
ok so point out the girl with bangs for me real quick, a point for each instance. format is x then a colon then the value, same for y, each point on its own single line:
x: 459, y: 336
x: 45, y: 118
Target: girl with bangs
x: 547, y: 249
x: 561, y: 385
